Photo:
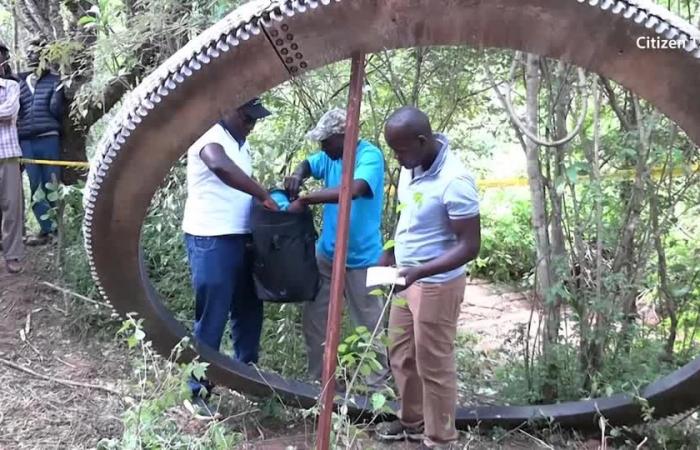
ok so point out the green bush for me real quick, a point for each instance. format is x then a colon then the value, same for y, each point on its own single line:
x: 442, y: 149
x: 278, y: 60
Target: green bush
x: 507, y: 244
x: 159, y: 418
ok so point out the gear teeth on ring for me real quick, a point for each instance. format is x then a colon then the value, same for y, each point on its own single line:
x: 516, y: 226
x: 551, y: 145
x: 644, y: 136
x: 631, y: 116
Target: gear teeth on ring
x: 167, y: 78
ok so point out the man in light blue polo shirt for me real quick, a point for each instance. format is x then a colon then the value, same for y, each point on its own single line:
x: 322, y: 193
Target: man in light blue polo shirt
x: 365, y: 240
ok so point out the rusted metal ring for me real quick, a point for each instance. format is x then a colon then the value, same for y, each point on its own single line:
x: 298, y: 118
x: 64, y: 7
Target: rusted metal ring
x: 234, y: 61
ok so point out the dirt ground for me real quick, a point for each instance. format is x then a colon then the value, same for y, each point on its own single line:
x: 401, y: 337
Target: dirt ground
x: 492, y: 312
x: 45, y: 413
x: 58, y: 391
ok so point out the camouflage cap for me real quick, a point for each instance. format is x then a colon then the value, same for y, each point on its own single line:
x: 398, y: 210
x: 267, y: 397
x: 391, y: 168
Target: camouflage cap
x: 332, y: 122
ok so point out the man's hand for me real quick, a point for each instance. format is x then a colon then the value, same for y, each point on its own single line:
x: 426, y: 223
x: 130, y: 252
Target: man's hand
x: 270, y: 204
x: 292, y: 184
x: 387, y: 259
x: 411, y: 274
x: 297, y: 206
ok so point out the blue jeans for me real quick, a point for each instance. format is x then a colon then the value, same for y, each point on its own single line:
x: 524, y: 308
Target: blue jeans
x: 222, y: 279
x: 47, y: 147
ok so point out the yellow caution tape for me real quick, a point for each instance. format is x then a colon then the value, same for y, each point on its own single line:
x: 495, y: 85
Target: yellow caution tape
x: 626, y: 174
x: 45, y: 162
x: 502, y: 182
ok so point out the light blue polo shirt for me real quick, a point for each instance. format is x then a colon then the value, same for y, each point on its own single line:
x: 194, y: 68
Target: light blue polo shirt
x: 429, y: 200
x: 365, y: 241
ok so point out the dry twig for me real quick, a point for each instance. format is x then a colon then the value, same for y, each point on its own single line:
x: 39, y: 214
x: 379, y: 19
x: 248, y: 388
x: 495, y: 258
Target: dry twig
x: 75, y: 294
x: 59, y: 380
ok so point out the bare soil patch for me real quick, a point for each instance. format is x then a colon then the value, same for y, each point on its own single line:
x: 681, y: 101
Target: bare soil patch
x: 38, y: 413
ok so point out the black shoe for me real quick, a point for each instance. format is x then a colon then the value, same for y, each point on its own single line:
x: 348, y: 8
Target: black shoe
x: 39, y: 239
x: 396, y: 431
x: 202, y: 407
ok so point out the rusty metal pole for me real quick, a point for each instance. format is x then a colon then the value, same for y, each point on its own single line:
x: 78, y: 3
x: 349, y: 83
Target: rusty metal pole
x: 335, y: 309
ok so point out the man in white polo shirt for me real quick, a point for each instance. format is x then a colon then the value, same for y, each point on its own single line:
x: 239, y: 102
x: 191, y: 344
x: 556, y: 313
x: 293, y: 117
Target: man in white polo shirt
x: 437, y: 234
x: 216, y: 223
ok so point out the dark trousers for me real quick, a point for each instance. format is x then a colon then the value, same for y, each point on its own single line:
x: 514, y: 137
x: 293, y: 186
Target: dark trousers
x: 222, y: 279
x: 47, y: 147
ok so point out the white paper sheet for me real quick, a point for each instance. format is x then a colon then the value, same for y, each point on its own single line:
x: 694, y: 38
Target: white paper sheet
x: 384, y: 275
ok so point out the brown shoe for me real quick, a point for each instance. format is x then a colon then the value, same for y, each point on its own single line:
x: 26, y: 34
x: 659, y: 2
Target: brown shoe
x: 39, y: 239
x: 13, y: 266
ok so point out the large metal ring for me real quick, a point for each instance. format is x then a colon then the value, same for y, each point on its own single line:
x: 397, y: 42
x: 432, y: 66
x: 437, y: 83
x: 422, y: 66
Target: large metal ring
x: 264, y: 43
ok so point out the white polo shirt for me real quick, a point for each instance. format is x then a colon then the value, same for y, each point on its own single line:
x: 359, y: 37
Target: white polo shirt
x: 212, y: 207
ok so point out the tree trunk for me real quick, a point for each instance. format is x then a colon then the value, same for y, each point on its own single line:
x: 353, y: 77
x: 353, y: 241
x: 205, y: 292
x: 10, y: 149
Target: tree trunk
x: 598, y: 318
x: 662, y: 273
x: 539, y: 222
x: 625, y: 260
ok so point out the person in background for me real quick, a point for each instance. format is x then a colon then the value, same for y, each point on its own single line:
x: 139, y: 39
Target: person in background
x: 365, y: 240
x: 11, y: 217
x: 216, y: 224
x: 437, y: 234
x: 39, y: 127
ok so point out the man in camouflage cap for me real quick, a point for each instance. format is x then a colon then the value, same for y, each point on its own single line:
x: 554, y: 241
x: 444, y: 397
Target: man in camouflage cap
x: 365, y: 240
x: 331, y: 123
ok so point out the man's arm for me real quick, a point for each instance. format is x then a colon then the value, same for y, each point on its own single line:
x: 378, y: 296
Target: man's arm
x: 359, y: 188
x: 10, y: 105
x: 368, y: 172
x: 388, y: 258
x: 215, y: 159
x: 468, y: 232
x: 56, y: 104
x: 292, y: 183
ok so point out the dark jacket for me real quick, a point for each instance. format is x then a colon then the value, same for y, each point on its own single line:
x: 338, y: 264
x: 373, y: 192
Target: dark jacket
x: 42, y: 111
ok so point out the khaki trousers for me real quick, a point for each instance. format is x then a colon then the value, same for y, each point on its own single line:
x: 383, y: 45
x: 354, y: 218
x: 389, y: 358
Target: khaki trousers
x: 422, y: 355
x: 11, y: 208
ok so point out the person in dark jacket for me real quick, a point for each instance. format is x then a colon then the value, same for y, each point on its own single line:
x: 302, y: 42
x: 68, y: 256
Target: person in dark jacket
x: 39, y: 128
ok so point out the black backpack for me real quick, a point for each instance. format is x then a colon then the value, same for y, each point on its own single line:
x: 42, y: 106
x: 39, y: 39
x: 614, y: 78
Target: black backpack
x: 284, y: 255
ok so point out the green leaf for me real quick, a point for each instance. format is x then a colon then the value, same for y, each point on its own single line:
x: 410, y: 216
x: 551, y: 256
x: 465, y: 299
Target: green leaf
x: 400, y: 207
x: 572, y: 174
x: 399, y: 302
x: 199, y: 370
x: 139, y: 334
x: 126, y: 324
x: 342, y: 348
x: 389, y: 244
x: 44, y: 217
x: 132, y: 341
x: 348, y: 360
x: 86, y: 20
x: 378, y: 401
x: 377, y: 293
x: 365, y: 370
x: 52, y: 197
